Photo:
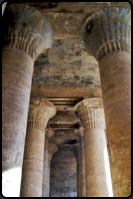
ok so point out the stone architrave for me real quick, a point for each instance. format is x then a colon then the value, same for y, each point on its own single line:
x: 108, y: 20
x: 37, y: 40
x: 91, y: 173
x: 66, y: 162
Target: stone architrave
x: 106, y: 35
x: 40, y: 111
x: 52, y: 148
x: 80, y: 133
x: 26, y: 34
x: 98, y: 179
x: 45, y: 187
x: 75, y: 148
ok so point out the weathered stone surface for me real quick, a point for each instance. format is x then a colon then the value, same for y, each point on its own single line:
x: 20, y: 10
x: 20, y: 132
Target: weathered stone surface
x: 64, y: 136
x: 98, y: 178
x: 66, y: 91
x: 25, y: 28
x: 52, y: 148
x: 45, y: 183
x: 82, y: 174
x: 115, y: 71
x: 67, y: 18
x: 63, y: 176
x: 66, y: 65
x: 40, y: 111
x: 17, y: 69
x: 106, y: 31
x: 76, y: 151
x: 22, y: 41
x: 112, y: 50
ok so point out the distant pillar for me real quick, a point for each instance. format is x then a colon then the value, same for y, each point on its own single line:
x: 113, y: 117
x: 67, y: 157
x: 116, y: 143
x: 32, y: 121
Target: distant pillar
x: 52, y: 148
x: 98, y: 181
x: 106, y: 35
x: 45, y: 186
x: 40, y: 111
x: 75, y: 149
x: 80, y: 133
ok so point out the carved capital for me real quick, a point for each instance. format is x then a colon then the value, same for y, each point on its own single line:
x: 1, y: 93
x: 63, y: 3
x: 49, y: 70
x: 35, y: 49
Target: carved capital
x: 91, y: 113
x: 106, y: 31
x: 52, y: 148
x: 26, y: 29
x: 40, y: 111
x: 79, y: 132
x: 48, y: 134
x: 75, y: 150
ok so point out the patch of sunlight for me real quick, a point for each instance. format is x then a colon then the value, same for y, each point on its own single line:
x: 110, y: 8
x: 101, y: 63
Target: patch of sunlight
x: 11, y: 180
x: 107, y: 168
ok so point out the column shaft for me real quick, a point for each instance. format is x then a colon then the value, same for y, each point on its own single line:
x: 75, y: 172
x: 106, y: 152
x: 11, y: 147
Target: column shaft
x: 32, y: 172
x: 78, y: 180
x: 40, y: 111
x: 96, y: 171
x: 45, y: 186
x: 48, y: 179
x: 17, y: 69
x: 115, y: 72
x: 82, y: 177
x: 26, y: 34
x: 106, y: 35
x: 82, y: 169
x: 52, y: 148
x: 98, y: 179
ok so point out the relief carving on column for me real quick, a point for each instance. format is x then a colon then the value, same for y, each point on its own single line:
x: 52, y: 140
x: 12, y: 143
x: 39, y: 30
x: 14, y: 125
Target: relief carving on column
x: 40, y: 111
x: 91, y: 113
x: 106, y: 31
x: 26, y: 29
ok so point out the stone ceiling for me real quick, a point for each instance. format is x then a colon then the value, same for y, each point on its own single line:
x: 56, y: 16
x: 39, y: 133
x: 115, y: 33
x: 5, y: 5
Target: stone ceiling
x: 65, y: 64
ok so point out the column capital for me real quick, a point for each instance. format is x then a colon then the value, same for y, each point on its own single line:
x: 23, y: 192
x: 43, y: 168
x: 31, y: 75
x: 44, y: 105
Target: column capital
x: 40, y: 111
x: 91, y: 113
x: 26, y: 29
x: 75, y: 149
x: 52, y: 148
x: 49, y: 133
x: 79, y: 132
x: 106, y: 31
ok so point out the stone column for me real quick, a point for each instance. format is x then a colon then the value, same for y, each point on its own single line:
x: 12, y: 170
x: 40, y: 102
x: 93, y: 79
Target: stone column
x: 52, y: 148
x: 80, y: 133
x: 98, y: 179
x: 75, y: 149
x: 106, y: 35
x: 26, y: 34
x: 40, y: 111
x: 45, y: 187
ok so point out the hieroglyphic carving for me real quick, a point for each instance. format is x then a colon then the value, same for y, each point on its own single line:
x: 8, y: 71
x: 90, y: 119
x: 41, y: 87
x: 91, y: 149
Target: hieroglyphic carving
x: 106, y: 31
x: 26, y: 30
x: 13, y: 140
